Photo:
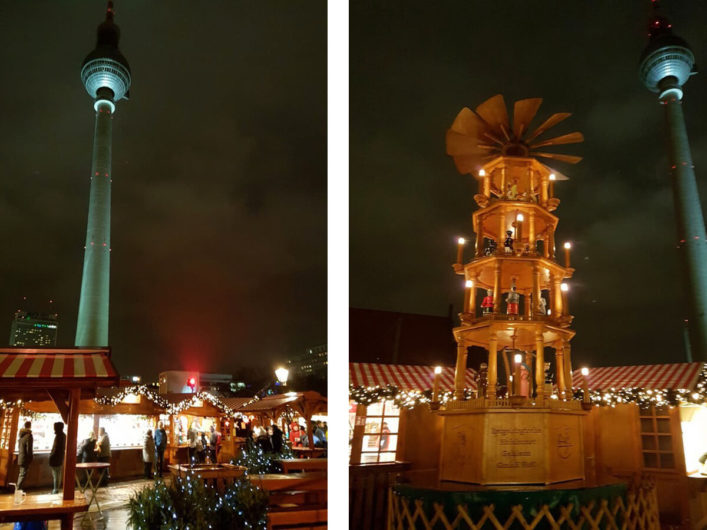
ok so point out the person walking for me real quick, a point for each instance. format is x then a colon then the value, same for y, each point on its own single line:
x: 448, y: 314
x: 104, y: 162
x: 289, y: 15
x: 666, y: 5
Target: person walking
x: 148, y: 453
x: 191, y: 440
x: 160, y: 446
x: 56, y: 457
x: 201, y: 446
x: 103, y: 452
x: 214, y: 443
x: 276, y: 436
x: 25, y: 454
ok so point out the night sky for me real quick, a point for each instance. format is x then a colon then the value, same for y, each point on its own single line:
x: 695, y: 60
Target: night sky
x: 219, y: 177
x: 415, y: 64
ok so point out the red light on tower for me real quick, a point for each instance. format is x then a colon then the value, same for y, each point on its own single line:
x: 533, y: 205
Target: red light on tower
x: 191, y: 383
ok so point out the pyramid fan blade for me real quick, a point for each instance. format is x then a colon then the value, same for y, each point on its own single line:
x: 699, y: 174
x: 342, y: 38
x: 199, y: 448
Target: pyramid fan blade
x: 468, y: 123
x: 570, y: 159
x: 493, y: 138
x: 466, y: 164
x: 493, y: 111
x: 461, y: 144
x: 524, y: 111
x: 571, y: 138
x: 550, y: 122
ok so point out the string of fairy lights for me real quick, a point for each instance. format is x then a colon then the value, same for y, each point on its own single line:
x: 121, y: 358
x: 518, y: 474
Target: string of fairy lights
x: 643, y: 397
x: 171, y: 408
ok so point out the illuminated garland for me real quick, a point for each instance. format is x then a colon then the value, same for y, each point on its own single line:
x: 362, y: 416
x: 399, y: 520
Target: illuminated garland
x: 161, y: 402
x: 363, y: 395
x: 643, y: 397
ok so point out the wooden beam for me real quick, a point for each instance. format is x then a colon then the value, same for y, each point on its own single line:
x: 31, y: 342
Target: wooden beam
x: 59, y: 397
x: 71, y: 436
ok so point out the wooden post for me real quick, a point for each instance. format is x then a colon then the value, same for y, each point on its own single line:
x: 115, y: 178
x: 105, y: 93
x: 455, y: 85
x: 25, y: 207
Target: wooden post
x: 71, y: 438
x: 487, y: 185
x: 493, y: 366
x: 460, y: 371
x: 551, y: 243
x: 536, y: 289
x: 560, y: 371
x: 532, y: 238
x: 567, y: 353
x: 557, y: 306
x: 497, y: 287
x: 544, y: 191
x: 539, y: 365
x: 479, y: 236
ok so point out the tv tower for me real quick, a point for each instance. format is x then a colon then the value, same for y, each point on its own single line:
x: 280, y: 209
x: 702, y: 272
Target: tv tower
x: 666, y: 64
x: 106, y: 75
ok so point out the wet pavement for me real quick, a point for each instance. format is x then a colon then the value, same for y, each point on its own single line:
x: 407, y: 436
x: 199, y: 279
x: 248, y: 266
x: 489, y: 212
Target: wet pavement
x: 113, y: 500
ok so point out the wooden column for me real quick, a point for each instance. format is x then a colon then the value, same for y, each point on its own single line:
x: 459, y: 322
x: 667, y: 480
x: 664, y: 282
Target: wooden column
x: 567, y: 351
x: 479, y: 236
x: 501, y: 232
x: 557, y: 306
x: 528, y: 303
x: 460, y: 371
x: 536, y: 289
x: 551, y: 243
x: 71, y: 438
x: 560, y: 371
x: 532, y: 237
x: 487, y: 185
x: 503, y: 182
x: 539, y: 364
x: 493, y: 366
x: 544, y: 191
x: 497, y: 287
x: 546, y: 246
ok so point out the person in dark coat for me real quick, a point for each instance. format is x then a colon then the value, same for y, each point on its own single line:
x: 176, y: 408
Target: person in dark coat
x: 25, y: 454
x: 160, y: 446
x: 87, y: 449
x: 56, y: 457
x: 276, y: 438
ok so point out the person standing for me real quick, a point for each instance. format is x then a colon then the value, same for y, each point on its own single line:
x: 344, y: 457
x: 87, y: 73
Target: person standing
x: 148, y: 453
x: 191, y: 440
x: 56, y: 457
x: 25, y: 453
x: 103, y: 452
x: 160, y: 446
x: 276, y: 436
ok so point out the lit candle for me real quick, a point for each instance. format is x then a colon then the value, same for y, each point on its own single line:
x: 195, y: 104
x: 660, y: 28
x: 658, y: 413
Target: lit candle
x: 467, y: 296
x: 460, y: 249
x: 567, y: 246
x: 435, y: 384
x: 519, y: 229
x: 552, y: 185
x: 585, y: 384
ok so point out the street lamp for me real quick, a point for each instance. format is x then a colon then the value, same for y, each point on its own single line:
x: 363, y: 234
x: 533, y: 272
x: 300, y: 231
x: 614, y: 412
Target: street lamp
x: 281, y: 374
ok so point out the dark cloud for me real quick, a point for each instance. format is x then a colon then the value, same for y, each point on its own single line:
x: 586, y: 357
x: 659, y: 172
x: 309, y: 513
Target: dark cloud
x: 219, y: 194
x: 415, y: 64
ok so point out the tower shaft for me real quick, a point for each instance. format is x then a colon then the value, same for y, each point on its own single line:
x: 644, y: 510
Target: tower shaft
x: 690, y: 226
x: 92, y: 325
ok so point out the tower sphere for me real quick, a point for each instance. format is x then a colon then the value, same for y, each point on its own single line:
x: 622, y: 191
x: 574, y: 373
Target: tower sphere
x: 105, y: 67
x: 666, y: 55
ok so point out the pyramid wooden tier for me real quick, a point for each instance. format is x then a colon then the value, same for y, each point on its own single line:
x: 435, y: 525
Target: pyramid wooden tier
x: 501, y: 442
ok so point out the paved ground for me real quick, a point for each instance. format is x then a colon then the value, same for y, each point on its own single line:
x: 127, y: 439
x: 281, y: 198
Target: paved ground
x: 113, y: 501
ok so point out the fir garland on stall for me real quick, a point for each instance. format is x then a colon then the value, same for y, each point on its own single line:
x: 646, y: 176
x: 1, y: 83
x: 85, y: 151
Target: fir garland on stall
x: 161, y: 402
x: 188, y: 504
x: 402, y: 398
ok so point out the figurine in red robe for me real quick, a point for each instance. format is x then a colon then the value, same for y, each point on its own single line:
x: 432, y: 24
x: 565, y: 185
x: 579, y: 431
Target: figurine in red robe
x: 487, y: 303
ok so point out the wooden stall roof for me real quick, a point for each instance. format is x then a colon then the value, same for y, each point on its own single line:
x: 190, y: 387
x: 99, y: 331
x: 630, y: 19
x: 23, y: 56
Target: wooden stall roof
x: 652, y: 376
x: 26, y: 373
x: 236, y: 402
x: 405, y: 377
x: 311, y: 402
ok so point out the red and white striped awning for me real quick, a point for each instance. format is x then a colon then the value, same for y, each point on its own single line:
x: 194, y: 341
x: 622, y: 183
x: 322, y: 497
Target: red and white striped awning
x: 650, y: 376
x: 32, y: 364
x: 405, y: 377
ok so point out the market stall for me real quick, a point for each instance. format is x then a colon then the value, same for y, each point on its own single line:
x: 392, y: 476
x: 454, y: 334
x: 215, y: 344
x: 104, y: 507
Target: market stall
x: 62, y: 375
x: 274, y: 409
x: 651, y: 419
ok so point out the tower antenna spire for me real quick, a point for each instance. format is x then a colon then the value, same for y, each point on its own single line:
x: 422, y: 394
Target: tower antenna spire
x: 110, y: 12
